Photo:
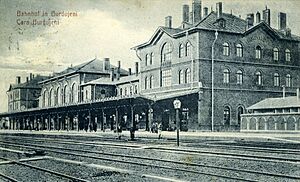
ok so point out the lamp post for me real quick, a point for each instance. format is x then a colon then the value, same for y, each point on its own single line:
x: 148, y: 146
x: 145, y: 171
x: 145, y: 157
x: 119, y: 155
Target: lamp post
x: 177, y: 105
x: 212, y: 81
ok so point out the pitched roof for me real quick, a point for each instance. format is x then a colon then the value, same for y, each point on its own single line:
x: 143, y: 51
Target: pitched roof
x: 233, y: 23
x: 30, y: 84
x: 93, y: 66
x: 107, y: 81
x: 272, y: 103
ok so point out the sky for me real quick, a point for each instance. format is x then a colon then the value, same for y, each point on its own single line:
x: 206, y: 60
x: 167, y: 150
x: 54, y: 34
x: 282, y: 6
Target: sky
x: 102, y: 28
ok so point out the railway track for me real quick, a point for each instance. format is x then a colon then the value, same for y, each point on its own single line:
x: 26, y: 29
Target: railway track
x: 146, y: 163
x: 231, y: 147
x: 178, y: 150
x: 21, y: 163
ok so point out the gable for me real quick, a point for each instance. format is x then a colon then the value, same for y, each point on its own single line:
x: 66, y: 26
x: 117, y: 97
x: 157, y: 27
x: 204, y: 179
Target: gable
x: 260, y: 36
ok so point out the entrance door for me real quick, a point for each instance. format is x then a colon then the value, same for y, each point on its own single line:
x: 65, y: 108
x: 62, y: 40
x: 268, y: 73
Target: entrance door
x: 165, y: 120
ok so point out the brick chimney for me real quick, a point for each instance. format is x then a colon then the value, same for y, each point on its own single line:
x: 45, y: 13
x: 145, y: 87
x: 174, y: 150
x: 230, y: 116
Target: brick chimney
x: 267, y: 16
x: 250, y: 20
x: 196, y: 9
x: 205, y: 11
x: 281, y: 21
x: 27, y: 79
x: 168, y: 21
x: 219, y: 9
x: 30, y: 76
x: 112, y: 74
x: 258, y: 18
x: 18, y: 80
x: 106, y: 63
x: 119, y: 70
x: 129, y: 71
x: 185, y: 13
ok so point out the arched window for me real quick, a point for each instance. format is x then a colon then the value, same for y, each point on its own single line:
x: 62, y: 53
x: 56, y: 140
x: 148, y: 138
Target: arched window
x: 225, y: 49
x: 166, y: 53
x: 146, y: 83
x: 65, y: 95
x: 74, y: 93
x: 58, y: 96
x: 258, y: 78
x: 121, y: 92
x: 130, y: 90
x: 50, y: 102
x: 258, y: 52
x: 188, y: 49
x: 187, y: 76
x: 44, y: 99
x: 147, y: 59
x: 226, y: 76
x: 276, y: 79
x: 288, y: 80
x: 125, y: 91
x: 135, y: 89
x: 239, y: 77
x: 181, y: 49
x: 239, y: 50
x: 151, y: 81
x: 151, y: 58
x: 181, y: 77
x: 287, y: 55
x: 275, y: 54
x: 86, y: 94
x: 226, y: 115
x: 240, y: 111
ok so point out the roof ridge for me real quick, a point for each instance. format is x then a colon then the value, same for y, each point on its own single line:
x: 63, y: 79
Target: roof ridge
x: 86, y: 64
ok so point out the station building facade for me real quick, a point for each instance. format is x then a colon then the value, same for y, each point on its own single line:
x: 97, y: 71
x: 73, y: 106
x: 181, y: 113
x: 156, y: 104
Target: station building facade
x: 251, y: 60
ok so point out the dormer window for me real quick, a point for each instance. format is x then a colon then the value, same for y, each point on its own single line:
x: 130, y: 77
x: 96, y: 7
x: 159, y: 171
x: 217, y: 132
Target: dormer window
x: 221, y: 22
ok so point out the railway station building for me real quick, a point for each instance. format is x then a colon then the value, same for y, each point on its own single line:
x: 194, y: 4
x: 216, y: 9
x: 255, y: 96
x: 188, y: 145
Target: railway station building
x: 251, y: 61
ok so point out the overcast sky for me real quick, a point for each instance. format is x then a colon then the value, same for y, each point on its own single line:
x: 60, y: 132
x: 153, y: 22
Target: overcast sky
x: 102, y: 28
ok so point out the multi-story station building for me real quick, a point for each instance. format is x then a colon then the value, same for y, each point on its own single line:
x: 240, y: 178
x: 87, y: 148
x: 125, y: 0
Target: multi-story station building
x: 251, y: 59
x: 217, y: 64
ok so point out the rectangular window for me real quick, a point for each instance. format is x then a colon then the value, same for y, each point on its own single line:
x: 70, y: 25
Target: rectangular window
x: 166, y: 78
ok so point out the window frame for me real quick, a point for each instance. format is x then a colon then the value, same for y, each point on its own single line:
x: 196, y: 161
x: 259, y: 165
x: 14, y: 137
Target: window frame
x: 181, y: 50
x: 166, y: 52
x: 258, y: 52
x: 258, y: 76
x: 226, y: 76
x: 239, y: 77
x: 226, y: 50
x: 239, y: 50
x: 287, y: 55
x: 275, y: 54
x: 276, y: 80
